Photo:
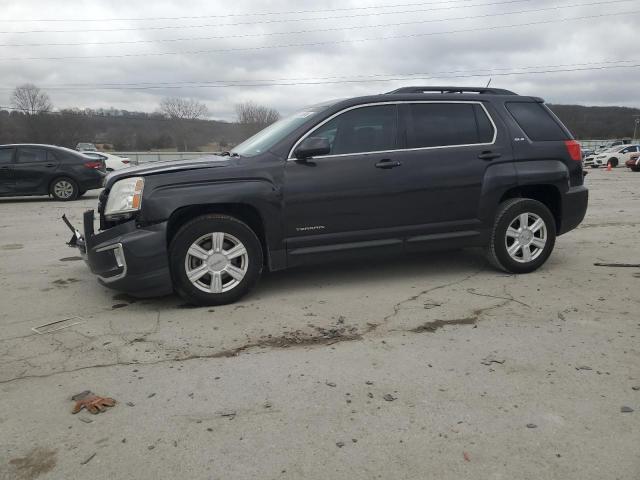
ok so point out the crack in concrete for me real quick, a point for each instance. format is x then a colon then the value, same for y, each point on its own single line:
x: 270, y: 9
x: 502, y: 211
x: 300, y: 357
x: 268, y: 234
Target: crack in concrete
x: 325, y: 336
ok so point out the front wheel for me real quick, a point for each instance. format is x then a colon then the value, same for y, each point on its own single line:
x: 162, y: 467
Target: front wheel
x: 523, y: 236
x: 215, y: 260
x: 613, y: 162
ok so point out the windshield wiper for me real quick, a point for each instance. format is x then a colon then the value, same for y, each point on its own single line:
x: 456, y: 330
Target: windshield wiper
x: 229, y: 154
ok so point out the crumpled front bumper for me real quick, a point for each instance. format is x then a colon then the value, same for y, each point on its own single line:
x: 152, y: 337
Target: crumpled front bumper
x: 127, y: 257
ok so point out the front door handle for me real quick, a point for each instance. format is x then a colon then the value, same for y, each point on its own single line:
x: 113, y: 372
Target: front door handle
x: 488, y: 155
x: 49, y: 165
x: 387, y: 163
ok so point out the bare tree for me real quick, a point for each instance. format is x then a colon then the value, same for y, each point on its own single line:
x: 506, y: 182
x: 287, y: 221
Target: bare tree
x: 183, y: 108
x: 254, y: 117
x: 30, y: 99
x: 181, y: 111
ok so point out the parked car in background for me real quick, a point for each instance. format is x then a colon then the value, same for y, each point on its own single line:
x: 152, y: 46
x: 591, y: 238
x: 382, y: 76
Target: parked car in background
x: 33, y: 169
x: 586, y: 152
x: 634, y: 163
x: 86, y: 147
x: 419, y: 168
x: 113, y: 162
x: 615, y: 156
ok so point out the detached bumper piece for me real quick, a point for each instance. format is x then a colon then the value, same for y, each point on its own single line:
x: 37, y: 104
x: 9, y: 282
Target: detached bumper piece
x: 126, y: 257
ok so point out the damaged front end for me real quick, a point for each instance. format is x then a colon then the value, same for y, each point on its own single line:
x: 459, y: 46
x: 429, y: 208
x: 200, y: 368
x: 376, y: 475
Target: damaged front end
x: 126, y: 257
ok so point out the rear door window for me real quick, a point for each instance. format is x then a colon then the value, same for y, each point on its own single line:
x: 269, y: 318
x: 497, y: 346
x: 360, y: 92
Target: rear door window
x: 536, y: 121
x: 447, y: 124
x: 6, y: 156
x: 361, y: 130
x: 32, y: 155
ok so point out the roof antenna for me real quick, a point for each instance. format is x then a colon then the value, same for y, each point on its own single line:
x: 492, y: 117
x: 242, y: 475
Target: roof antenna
x: 489, y: 82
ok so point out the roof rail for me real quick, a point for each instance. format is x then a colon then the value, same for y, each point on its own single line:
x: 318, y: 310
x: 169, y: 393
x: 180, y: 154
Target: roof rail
x: 492, y: 91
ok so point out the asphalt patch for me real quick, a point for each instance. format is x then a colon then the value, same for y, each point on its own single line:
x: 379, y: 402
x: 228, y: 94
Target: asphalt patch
x: 431, y: 327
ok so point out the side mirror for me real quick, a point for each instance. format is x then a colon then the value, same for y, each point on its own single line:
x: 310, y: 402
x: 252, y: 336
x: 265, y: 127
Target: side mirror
x: 312, y: 147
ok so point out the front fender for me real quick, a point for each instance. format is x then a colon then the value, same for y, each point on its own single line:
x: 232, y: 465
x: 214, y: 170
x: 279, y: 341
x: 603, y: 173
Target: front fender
x: 260, y: 194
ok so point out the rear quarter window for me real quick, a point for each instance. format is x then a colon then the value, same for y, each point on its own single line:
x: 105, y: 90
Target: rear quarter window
x: 536, y: 121
x: 6, y: 155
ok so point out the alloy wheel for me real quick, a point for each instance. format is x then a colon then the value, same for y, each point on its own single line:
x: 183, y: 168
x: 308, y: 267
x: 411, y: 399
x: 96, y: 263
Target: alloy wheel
x: 216, y: 262
x: 526, y: 237
x: 63, y: 189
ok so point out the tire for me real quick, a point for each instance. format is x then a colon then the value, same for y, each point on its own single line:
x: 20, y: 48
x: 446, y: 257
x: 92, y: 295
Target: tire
x: 613, y: 162
x: 64, y: 189
x: 502, y: 237
x: 192, y: 251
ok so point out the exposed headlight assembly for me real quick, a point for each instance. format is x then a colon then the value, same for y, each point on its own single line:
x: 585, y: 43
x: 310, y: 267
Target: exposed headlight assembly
x: 125, y: 198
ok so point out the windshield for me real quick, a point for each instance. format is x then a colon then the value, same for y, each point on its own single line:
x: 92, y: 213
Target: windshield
x: 267, y: 138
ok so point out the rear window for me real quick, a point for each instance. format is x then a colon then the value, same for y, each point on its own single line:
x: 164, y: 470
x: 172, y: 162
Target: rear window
x: 32, y: 155
x: 447, y: 124
x: 536, y: 121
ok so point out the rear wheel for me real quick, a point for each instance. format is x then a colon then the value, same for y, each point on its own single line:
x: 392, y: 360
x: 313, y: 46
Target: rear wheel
x: 64, y: 189
x: 523, y: 236
x: 215, y: 260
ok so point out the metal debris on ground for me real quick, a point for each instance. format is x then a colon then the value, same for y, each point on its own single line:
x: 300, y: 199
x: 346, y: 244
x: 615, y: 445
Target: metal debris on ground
x: 227, y: 413
x: 489, y: 359
x: 622, y: 265
x: 388, y: 397
x: 91, y: 402
x: 57, y: 325
x: 88, y: 459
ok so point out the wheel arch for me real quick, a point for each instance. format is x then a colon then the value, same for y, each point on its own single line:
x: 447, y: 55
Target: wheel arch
x: 241, y: 211
x: 549, y: 195
x: 58, y: 176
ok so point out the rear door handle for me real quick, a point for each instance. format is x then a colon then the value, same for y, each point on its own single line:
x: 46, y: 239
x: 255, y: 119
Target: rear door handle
x: 49, y: 165
x: 488, y: 155
x: 387, y: 163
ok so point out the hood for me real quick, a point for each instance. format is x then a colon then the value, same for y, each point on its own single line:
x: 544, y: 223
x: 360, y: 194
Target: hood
x: 152, y: 168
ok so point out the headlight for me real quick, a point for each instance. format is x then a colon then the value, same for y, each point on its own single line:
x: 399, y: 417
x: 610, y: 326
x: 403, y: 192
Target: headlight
x: 125, y: 197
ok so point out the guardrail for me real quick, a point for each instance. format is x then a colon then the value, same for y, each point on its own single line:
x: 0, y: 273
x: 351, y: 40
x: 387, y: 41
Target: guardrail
x: 138, y: 158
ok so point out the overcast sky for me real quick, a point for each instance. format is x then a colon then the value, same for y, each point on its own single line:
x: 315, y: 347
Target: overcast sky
x: 443, y: 42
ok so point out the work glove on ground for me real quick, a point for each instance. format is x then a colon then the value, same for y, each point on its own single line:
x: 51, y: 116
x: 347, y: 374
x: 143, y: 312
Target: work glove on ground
x: 93, y: 403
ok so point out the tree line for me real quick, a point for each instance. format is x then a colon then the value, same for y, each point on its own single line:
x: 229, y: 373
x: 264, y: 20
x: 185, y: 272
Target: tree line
x: 182, y: 124
x: 179, y: 123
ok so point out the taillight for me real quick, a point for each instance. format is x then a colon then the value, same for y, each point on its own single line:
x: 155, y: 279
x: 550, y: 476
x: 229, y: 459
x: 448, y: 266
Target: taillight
x: 126, y: 162
x: 573, y: 148
x: 95, y: 165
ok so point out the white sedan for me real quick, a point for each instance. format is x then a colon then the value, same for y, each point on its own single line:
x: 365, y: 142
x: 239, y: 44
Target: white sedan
x: 614, y: 156
x: 113, y: 162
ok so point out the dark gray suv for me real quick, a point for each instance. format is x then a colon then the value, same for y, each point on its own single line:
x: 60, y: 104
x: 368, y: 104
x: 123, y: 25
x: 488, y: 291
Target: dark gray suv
x: 419, y: 168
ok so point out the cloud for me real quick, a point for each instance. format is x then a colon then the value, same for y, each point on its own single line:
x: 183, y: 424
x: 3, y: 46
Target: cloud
x: 485, y: 49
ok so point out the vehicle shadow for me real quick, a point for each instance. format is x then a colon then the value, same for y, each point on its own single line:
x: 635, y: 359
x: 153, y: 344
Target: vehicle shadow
x: 307, y: 278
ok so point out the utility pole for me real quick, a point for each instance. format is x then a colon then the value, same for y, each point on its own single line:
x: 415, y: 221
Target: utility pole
x: 636, y: 123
